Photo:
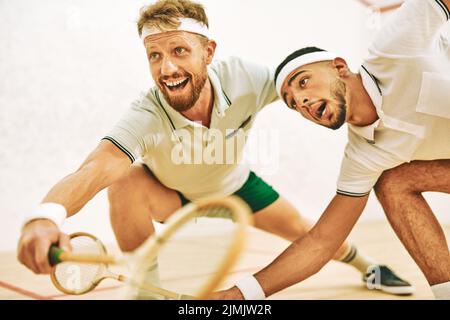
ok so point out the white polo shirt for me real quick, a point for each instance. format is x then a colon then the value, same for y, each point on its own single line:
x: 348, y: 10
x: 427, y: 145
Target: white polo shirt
x: 407, y: 76
x: 178, y: 151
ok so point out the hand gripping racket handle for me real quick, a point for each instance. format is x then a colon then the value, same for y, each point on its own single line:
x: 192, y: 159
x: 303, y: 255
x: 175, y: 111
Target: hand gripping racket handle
x: 57, y: 255
x: 54, y: 255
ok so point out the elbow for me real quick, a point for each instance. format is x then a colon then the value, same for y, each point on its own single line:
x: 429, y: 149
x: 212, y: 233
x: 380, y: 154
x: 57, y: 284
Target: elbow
x: 105, y: 166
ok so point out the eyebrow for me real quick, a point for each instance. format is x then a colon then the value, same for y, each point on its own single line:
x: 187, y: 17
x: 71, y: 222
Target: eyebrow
x: 295, y: 76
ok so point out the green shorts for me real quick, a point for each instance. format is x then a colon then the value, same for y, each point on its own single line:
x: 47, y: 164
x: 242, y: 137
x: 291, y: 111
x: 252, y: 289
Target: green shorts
x: 255, y: 192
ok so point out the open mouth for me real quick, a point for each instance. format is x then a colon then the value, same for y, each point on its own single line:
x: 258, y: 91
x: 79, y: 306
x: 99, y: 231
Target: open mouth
x: 175, y: 85
x: 321, y: 111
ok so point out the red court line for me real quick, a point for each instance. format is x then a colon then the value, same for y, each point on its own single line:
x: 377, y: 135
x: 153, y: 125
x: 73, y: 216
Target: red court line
x: 37, y: 296
x: 23, y: 292
x: 62, y: 295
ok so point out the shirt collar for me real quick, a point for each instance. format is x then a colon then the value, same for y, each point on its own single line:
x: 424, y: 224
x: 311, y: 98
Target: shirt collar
x: 221, y: 100
x: 221, y: 103
x: 370, y: 83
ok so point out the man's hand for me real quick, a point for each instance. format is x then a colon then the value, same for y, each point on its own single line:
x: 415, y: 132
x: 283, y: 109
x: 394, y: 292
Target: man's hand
x: 230, y: 294
x: 105, y: 165
x: 308, y: 254
x: 34, y: 244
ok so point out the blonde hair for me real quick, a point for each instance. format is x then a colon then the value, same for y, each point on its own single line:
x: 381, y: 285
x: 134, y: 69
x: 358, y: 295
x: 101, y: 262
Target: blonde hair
x: 164, y: 14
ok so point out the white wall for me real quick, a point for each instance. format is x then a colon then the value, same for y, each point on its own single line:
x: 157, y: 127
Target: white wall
x: 70, y: 68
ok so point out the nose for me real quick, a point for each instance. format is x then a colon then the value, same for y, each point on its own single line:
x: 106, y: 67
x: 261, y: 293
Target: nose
x: 302, y: 100
x: 168, y: 67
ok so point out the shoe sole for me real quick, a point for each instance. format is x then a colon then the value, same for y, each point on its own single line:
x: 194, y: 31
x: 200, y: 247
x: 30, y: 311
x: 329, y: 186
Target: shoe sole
x: 399, y: 291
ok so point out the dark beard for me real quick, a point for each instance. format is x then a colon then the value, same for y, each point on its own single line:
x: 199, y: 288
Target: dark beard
x: 338, y: 91
x: 182, y: 104
x: 340, y: 118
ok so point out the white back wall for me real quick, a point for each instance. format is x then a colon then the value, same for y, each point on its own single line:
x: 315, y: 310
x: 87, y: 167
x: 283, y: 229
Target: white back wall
x: 69, y: 69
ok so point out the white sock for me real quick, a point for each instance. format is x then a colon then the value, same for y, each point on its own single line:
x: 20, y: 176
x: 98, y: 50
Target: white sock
x: 357, y: 259
x: 441, y: 291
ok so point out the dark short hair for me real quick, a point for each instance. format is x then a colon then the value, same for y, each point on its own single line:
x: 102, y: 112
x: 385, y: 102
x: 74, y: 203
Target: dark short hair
x: 295, y: 55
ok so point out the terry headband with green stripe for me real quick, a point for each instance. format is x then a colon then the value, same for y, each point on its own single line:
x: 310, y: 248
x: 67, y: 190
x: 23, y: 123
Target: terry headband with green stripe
x: 297, y: 59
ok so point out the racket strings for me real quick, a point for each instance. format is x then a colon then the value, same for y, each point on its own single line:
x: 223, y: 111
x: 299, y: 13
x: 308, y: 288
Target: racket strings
x: 78, y: 278
x: 194, y: 258
x: 214, y: 211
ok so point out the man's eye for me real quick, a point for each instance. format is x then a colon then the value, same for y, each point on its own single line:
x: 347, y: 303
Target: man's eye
x: 293, y: 105
x: 154, y: 56
x: 304, y: 82
x: 180, y: 50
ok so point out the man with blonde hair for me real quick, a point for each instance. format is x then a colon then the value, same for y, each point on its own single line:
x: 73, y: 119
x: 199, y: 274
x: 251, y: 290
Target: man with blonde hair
x: 139, y: 161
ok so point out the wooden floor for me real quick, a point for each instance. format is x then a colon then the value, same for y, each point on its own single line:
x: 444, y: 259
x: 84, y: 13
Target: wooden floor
x: 335, y: 281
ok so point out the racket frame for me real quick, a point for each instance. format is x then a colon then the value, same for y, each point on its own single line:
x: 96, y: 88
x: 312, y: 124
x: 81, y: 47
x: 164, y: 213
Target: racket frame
x: 241, y: 214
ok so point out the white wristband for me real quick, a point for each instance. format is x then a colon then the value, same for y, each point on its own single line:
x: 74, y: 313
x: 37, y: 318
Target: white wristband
x: 50, y: 211
x: 250, y: 288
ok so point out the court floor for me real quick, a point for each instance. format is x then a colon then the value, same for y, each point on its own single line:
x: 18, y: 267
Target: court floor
x: 335, y: 281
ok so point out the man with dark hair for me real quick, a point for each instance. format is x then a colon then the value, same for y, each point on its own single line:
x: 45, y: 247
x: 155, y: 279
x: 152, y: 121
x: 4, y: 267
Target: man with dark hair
x: 398, y: 113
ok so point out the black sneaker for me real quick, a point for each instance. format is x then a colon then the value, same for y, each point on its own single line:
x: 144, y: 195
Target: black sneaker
x: 384, y: 279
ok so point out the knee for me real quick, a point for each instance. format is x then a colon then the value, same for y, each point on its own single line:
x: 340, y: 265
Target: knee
x: 287, y: 225
x: 388, y: 183
x: 394, y: 184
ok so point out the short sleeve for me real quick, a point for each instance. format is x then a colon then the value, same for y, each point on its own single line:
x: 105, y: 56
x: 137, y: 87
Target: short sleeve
x: 356, y: 179
x: 135, y: 132
x: 245, y: 78
x: 262, y: 82
x: 413, y: 29
x: 362, y: 166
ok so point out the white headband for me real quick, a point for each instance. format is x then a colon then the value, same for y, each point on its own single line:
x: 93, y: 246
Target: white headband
x: 186, y: 24
x: 301, y: 61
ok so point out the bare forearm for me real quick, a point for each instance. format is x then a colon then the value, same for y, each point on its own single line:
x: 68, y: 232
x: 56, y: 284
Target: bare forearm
x: 102, y: 168
x: 105, y: 164
x: 309, y: 254
x: 304, y: 258
x: 75, y: 190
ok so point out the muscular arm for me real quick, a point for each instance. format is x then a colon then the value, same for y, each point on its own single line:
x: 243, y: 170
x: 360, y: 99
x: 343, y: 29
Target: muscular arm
x: 103, y: 167
x: 307, y: 255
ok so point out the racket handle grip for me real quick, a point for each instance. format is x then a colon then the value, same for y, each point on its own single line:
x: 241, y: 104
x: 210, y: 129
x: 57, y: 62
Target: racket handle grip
x: 54, y: 255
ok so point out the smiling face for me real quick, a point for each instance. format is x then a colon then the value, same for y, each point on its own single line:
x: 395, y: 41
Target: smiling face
x: 314, y: 91
x: 178, y: 64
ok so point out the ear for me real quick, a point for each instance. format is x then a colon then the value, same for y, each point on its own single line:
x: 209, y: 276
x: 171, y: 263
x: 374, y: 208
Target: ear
x: 210, y: 51
x: 341, y: 67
